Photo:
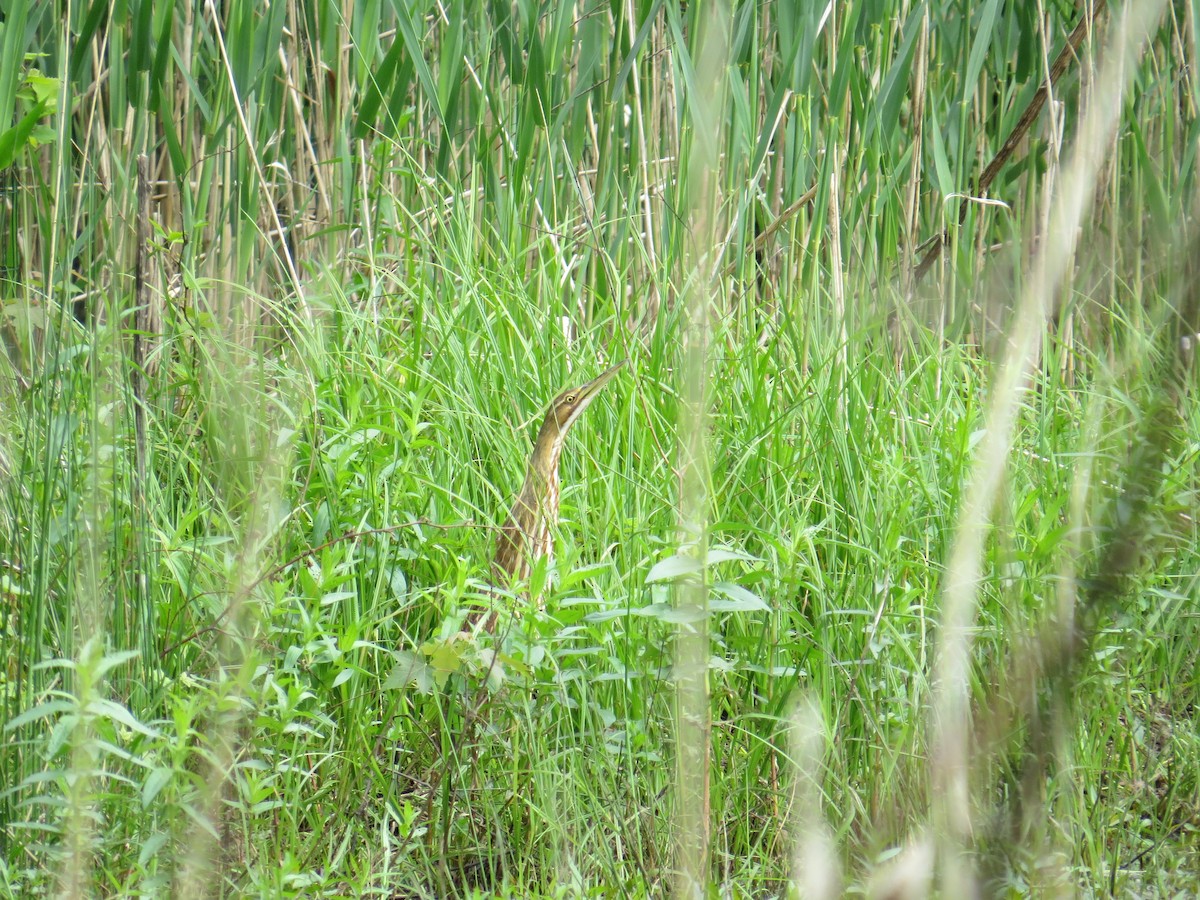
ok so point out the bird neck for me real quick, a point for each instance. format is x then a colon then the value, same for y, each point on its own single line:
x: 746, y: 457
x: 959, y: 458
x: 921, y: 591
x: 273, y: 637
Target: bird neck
x: 544, y: 461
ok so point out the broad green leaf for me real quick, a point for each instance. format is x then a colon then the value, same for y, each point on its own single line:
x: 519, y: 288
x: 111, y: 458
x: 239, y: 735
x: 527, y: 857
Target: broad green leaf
x: 667, y: 612
x: 15, y: 139
x: 411, y: 670
x: 673, y: 567
x: 738, y: 599
x: 41, y: 711
x: 725, y: 554
x: 119, y: 714
x: 156, y: 780
x: 979, y: 47
x: 945, y: 181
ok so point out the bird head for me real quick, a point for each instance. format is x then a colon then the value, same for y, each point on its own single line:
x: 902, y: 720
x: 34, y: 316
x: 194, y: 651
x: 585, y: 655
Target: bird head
x: 563, y: 411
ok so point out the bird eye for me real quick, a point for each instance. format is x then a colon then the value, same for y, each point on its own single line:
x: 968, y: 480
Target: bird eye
x: 570, y: 398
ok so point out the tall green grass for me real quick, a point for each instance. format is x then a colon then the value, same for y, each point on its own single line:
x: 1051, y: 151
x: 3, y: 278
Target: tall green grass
x: 384, y: 235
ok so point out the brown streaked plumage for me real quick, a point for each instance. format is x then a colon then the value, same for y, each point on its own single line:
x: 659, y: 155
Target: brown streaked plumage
x: 527, y: 533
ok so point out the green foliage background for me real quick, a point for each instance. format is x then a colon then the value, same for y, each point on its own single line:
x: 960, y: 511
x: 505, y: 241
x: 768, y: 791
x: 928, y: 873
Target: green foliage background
x: 383, y: 236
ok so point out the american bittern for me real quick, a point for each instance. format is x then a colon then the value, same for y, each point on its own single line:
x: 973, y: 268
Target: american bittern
x: 528, y: 532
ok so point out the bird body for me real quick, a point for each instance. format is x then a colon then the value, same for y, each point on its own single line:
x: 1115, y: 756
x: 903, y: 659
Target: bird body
x: 526, y: 534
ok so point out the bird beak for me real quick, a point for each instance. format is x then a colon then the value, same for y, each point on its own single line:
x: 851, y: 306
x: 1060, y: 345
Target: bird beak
x: 586, y: 393
x: 593, y: 386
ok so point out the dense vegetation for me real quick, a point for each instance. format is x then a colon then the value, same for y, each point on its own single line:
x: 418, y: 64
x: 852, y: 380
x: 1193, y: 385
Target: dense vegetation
x: 259, y: 422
